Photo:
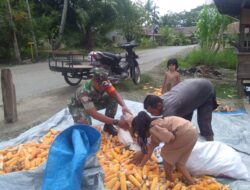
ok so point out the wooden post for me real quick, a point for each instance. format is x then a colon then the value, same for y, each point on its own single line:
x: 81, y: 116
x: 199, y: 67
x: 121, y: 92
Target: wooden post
x: 9, y: 96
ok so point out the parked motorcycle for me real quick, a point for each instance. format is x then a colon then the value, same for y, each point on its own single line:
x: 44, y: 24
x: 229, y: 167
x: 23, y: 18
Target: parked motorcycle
x: 74, y: 67
x: 119, y: 67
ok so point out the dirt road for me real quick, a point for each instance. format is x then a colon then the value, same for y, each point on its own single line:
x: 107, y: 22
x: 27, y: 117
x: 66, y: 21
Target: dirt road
x: 42, y: 93
x: 35, y: 79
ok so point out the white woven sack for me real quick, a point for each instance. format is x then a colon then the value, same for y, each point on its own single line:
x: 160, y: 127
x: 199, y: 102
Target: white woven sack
x: 216, y: 159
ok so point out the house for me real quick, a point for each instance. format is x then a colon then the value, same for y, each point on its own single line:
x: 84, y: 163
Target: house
x: 152, y: 32
x: 116, y: 36
x: 188, y: 32
x: 239, y: 9
x: 233, y: 28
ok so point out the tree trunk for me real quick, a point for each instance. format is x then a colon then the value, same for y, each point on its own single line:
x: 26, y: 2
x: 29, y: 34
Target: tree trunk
x: 89, y: 41
x: 62, y: 25
x: 15, y: 43
x: 32, y: 29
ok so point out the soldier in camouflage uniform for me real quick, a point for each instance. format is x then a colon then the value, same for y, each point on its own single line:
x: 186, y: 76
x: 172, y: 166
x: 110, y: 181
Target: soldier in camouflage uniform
x: 96, y: 94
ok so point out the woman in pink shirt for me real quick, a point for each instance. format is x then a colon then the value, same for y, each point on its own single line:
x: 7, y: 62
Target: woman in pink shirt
x: 178, y: 135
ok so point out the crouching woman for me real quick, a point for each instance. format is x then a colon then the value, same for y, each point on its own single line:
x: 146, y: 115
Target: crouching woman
x: 178, y: 135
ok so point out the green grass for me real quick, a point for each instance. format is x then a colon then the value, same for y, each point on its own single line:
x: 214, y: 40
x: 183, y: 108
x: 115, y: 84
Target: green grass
x: 129, y: 86
x: 225, y: 91
x: 225, y: 58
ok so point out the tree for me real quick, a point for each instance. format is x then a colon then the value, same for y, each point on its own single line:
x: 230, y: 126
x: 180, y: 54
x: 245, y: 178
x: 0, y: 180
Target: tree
x: 50, y: 18
x: 130, y: 19
x: 168, y: 35
x: 151, y: 13
x: 182, y: 19
x: 13, y: 28
x: 62, y: 25
x: 210, y: 28
x: 5, y: 36
x: 31, y: 27
x: 95, y: 18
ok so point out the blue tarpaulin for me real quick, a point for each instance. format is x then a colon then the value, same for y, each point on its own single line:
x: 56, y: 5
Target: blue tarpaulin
x: 231, y: 128
x: 67, y: 157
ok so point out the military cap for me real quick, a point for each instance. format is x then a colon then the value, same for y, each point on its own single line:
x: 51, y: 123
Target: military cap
x: 101, y: 76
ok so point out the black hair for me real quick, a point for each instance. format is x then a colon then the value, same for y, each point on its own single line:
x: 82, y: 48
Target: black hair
x: 173, y: 61
x: 141, y: 126
x: 152, y: 101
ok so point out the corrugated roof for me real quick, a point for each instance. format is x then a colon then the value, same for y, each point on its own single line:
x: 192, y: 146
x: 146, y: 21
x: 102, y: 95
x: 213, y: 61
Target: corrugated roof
x: 187, y: 31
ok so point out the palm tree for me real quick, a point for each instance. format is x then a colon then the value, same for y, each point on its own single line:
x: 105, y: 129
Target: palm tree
x: 15, y: 43
x: 62, y: 25
x: 95, y: 18
x: 32, y: 29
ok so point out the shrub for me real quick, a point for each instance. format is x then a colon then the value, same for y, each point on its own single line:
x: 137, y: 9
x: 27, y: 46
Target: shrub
x: 225, y: 58
x: 147, y: 43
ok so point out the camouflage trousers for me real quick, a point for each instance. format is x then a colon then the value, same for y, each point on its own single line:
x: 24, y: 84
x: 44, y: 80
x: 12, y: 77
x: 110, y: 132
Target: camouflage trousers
x: 80, y: 115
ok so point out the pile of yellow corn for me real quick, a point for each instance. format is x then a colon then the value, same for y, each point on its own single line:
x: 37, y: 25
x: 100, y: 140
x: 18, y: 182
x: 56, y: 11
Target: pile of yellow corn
x: 26, y: 156
x: 120, y: 174
x: 152, y: 90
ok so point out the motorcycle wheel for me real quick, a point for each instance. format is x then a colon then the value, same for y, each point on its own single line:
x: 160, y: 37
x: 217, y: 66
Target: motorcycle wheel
x: 71, y: 80
x: 136, y: 77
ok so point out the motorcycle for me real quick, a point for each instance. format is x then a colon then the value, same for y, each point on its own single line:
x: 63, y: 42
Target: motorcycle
x: 119, y: 67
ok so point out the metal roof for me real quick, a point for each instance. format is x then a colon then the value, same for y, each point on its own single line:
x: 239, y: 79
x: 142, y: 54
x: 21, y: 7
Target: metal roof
x: 231, y: 7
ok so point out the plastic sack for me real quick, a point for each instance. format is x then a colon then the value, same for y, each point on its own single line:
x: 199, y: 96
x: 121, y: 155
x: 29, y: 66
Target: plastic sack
x: 128, y: 118
x: 67, y: 157
x: 124, y: 136
x: 216, y: 159
x: 213, y: 158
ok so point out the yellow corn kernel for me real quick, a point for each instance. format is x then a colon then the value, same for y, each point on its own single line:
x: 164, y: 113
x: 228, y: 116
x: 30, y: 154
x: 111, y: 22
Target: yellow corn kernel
x: 144, y: 187
x: 123, y: 181
x: 183, y: 187
x: 138, y: 177
x: 116, y: 186
x: 134, y: 181
x: 145, y: 172
x: 111, y: 183
x: 177, y: 186
x: 214, y: 186
x: 110, y: 176
x: 154, y: 182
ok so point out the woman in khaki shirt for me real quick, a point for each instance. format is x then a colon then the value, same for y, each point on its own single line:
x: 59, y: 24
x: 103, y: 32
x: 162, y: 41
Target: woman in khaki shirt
x: 178, y: 135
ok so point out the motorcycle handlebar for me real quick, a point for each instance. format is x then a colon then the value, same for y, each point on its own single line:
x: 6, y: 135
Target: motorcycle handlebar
x: 127, y: 45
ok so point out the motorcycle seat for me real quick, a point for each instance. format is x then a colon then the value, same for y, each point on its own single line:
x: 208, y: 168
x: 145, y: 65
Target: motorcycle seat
x: 112, y: 56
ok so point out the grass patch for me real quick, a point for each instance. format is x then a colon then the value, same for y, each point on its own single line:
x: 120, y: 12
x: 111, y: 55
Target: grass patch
x: 225, y: 59
x: 225, y: 91
x: 129, y: 86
